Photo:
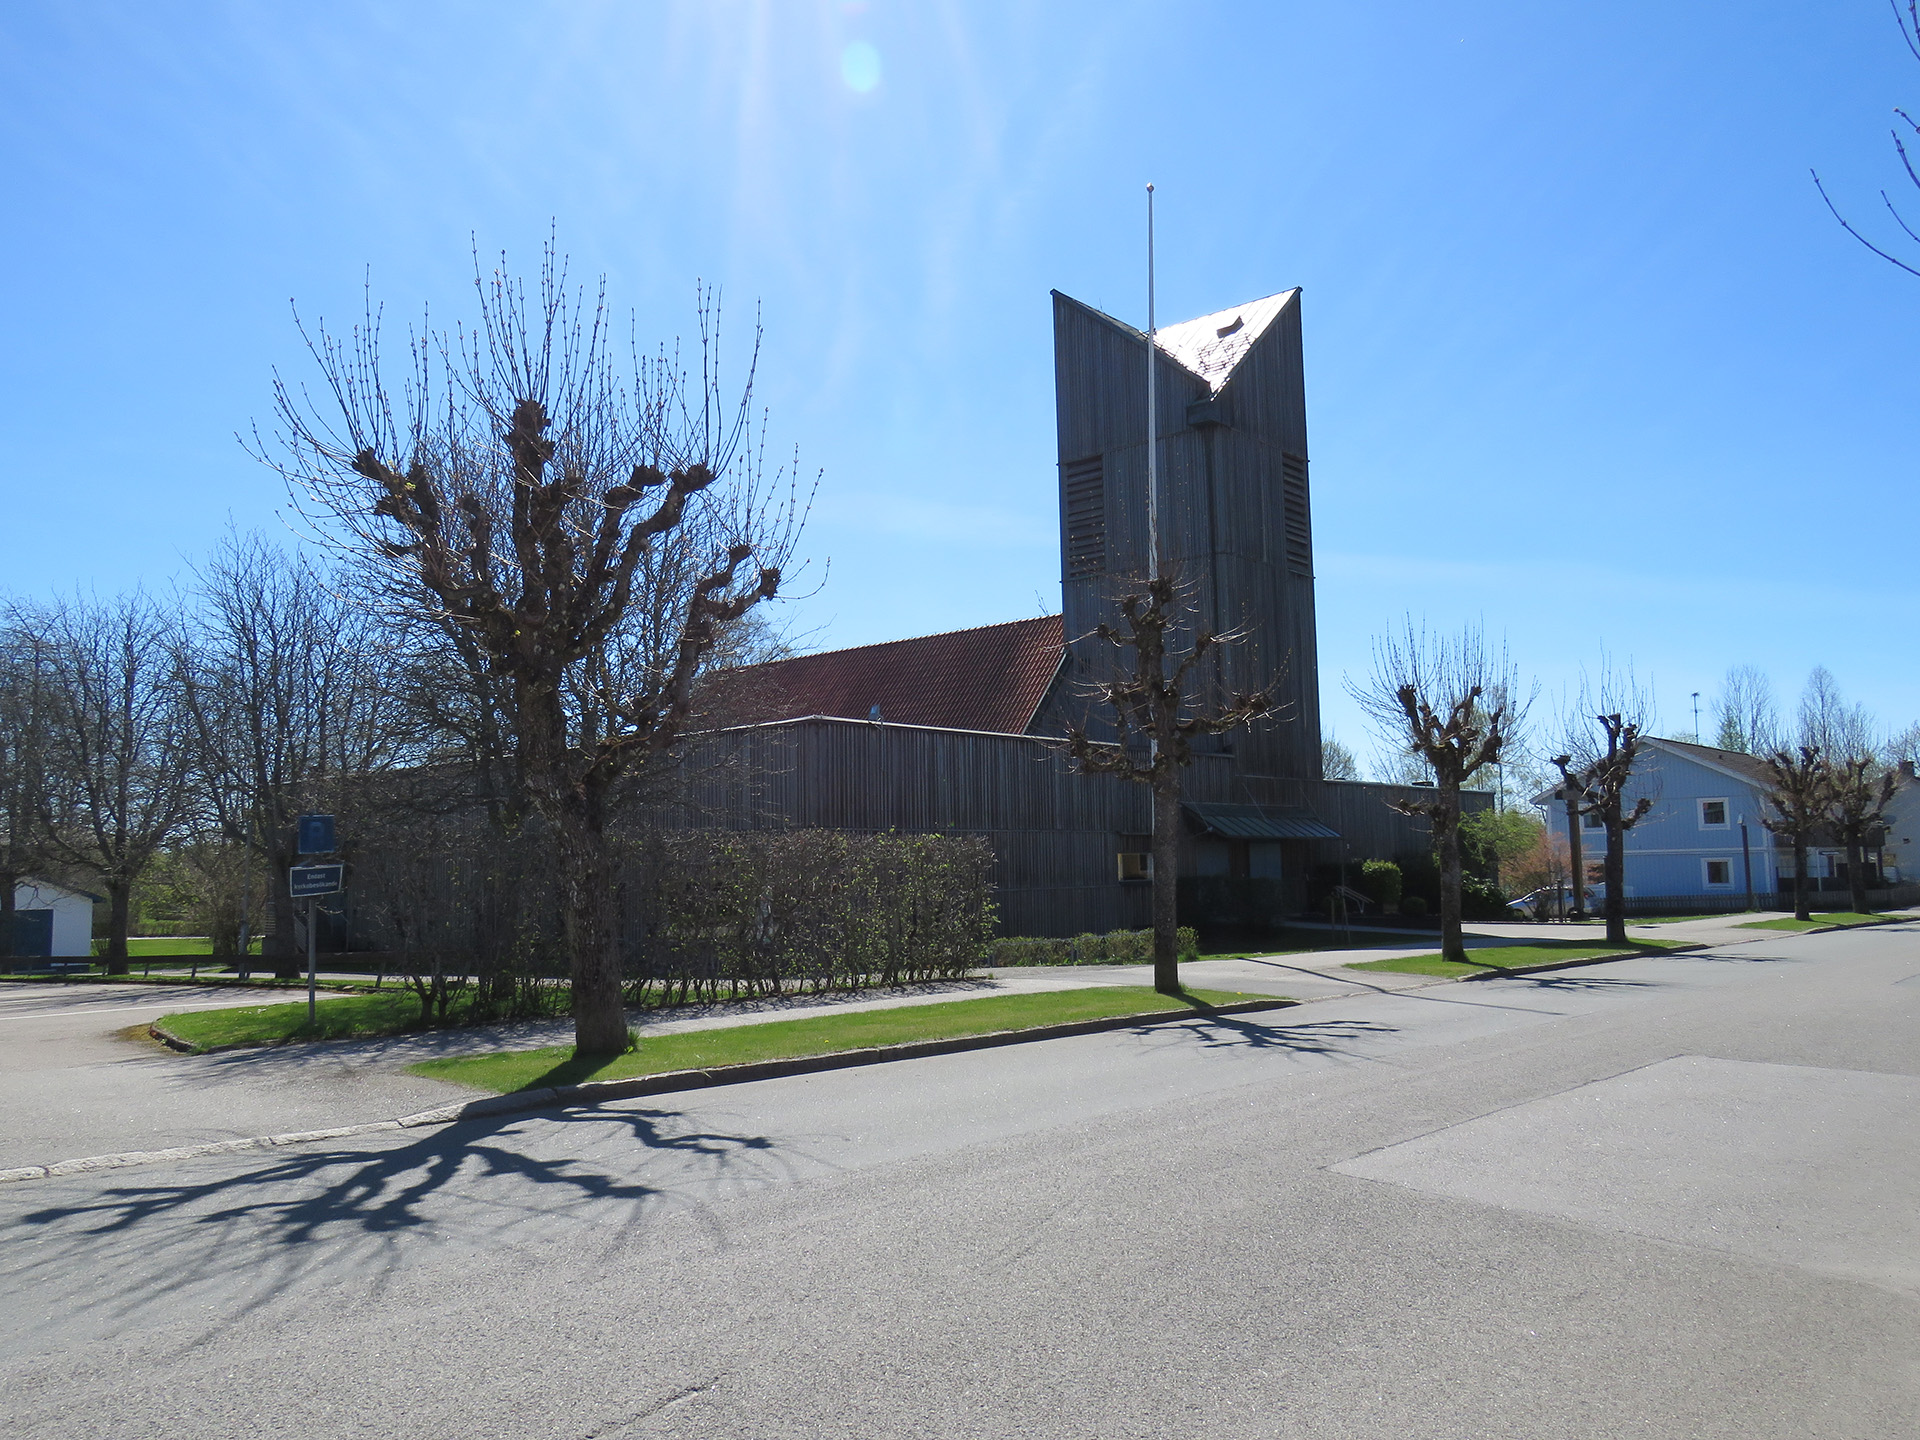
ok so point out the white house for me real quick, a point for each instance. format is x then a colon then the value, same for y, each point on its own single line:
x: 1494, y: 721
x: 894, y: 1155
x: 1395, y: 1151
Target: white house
x: 51, y: 921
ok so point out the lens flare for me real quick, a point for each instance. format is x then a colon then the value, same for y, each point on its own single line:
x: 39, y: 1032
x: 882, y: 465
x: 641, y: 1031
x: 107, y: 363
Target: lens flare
x: 860, y: 67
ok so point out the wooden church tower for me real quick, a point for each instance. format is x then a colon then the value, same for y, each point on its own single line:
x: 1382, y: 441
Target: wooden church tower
x: 1235, y: 520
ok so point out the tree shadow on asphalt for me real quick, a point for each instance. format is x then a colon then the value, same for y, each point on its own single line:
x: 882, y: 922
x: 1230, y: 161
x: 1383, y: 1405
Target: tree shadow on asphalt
x: 1311, y: 1037
x: 1592, y: 984
x: 359, y: 1204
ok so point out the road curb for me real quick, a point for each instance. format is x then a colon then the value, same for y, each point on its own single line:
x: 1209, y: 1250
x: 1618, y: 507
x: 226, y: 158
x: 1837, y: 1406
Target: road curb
x: 171, y: 1040
x: 596, y: 1092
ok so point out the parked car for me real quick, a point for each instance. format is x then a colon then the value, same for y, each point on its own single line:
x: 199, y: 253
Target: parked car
x: 1550, y: 902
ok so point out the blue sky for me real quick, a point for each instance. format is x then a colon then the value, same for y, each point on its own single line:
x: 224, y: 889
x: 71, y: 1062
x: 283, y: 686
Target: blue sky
x: 1587, y: 359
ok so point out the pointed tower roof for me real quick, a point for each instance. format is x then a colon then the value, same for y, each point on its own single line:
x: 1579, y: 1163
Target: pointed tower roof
x: 1214, y: 344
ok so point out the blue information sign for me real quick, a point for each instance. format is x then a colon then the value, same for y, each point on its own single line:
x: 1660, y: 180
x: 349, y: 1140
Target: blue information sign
x: 316, y: 835
x: 308, y: 880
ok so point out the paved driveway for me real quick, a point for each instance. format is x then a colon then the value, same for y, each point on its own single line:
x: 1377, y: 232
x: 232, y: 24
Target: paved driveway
x: 80, y: 1079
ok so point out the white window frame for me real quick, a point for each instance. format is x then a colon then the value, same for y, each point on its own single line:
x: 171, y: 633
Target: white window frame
x: 1726, y: 809
x: 1706, y: 872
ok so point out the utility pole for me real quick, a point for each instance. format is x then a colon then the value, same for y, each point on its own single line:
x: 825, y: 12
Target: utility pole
x: 1746, y: 859
x: 1696, y: 718
x: 1571, y: 795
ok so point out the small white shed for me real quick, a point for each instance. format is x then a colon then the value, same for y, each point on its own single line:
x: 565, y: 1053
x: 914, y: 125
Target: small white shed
x: 51, y: 921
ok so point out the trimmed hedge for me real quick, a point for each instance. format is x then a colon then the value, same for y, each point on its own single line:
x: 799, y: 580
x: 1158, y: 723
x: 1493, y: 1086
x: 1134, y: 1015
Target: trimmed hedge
x: 1116, y: 947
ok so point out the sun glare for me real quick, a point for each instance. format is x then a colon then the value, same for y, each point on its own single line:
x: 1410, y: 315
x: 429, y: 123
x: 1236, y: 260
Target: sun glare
x: 860, y: 66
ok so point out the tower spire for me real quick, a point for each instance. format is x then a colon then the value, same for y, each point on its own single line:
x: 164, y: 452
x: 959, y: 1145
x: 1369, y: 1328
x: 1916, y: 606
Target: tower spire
x: 1153, y: 414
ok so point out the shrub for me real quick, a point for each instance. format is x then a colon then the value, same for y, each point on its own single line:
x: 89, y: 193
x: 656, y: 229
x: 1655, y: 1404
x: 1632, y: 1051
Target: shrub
x: 1116, y: 947
x: 1413, y: 907
x: 1482, y: 900
x: 1380, y: 882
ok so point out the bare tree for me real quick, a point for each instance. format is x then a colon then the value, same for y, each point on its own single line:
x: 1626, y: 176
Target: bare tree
x: 22, y: 758
x: 1797, y: 793
x: 1744, y: 711
x: 116, y: 748
x: 1902, y: 749
x: 1337, y: 761
x: 1595, y: 771
x: 1907, y: 17
x: 528, y: 497
x: 1456, y: 707
x: 1830, y: 723
x: 1158, y: 706
x: 286, y: 685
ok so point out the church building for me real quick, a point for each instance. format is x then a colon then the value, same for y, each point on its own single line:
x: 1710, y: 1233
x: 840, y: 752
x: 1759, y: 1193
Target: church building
x: 960, y: 733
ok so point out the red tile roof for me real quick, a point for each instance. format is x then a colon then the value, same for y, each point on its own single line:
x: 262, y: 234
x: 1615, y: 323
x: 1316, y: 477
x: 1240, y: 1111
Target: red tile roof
x: 992, y: 678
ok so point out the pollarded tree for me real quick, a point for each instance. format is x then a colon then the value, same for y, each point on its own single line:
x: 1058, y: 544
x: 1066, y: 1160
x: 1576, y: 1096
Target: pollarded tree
x: 530, y: 497
x: 1154, y: 698
x: 1797, y: 794
x: 1454, y: 706
x: 1595, y: 772
x: 1859, y: 791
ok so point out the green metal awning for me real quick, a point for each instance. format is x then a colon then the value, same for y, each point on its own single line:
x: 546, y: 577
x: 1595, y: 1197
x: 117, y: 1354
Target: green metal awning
x: 1259, y: 822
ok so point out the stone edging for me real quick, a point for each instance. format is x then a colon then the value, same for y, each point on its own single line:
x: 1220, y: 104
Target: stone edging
x: 596, y: 1092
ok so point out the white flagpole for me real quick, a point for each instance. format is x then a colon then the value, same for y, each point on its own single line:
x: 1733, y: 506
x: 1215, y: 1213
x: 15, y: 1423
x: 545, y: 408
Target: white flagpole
x: 1153, y: 416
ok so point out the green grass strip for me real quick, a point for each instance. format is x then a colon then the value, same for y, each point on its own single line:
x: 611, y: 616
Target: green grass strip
x: 1511, y: 957
x: 816, y: 1035
x: 1822, y: 922
x: 345, y: 1017
x: 138, y: 945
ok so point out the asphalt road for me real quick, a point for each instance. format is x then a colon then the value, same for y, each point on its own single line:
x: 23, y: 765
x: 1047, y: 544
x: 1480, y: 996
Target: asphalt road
x: 1660, y: 1198
x: 75, y: 1080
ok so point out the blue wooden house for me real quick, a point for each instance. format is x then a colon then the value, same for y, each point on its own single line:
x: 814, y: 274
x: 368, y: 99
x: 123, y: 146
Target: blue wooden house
x: 1702, y: 843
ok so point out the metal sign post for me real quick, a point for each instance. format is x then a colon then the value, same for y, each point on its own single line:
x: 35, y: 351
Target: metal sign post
x: 311, y: 1008
x: 310, y: 882
x: 315, y: 834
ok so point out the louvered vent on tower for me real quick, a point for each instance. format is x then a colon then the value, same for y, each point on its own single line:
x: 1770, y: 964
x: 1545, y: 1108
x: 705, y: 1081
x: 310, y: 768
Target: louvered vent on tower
x: 1293, y: 485
x: 1083, y: 483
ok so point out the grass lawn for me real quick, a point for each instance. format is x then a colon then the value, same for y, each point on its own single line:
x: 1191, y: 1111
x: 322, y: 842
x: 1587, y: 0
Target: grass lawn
x: 1510, y: 957
x: 816, y: 1035
x: 344, y: 1017
x: 1819, y: 921
x: 138, y: 945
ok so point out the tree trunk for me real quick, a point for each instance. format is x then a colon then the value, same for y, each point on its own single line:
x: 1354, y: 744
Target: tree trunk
x: 7, y: 881
x: 1616, y: 873
x: 1166, y: 884
x: 599, y: 1017
x: 1446, y: 820
x: 1800, y: 911
x: 288, y: 961
x: 119, y: 909
x: 1857, y: 876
